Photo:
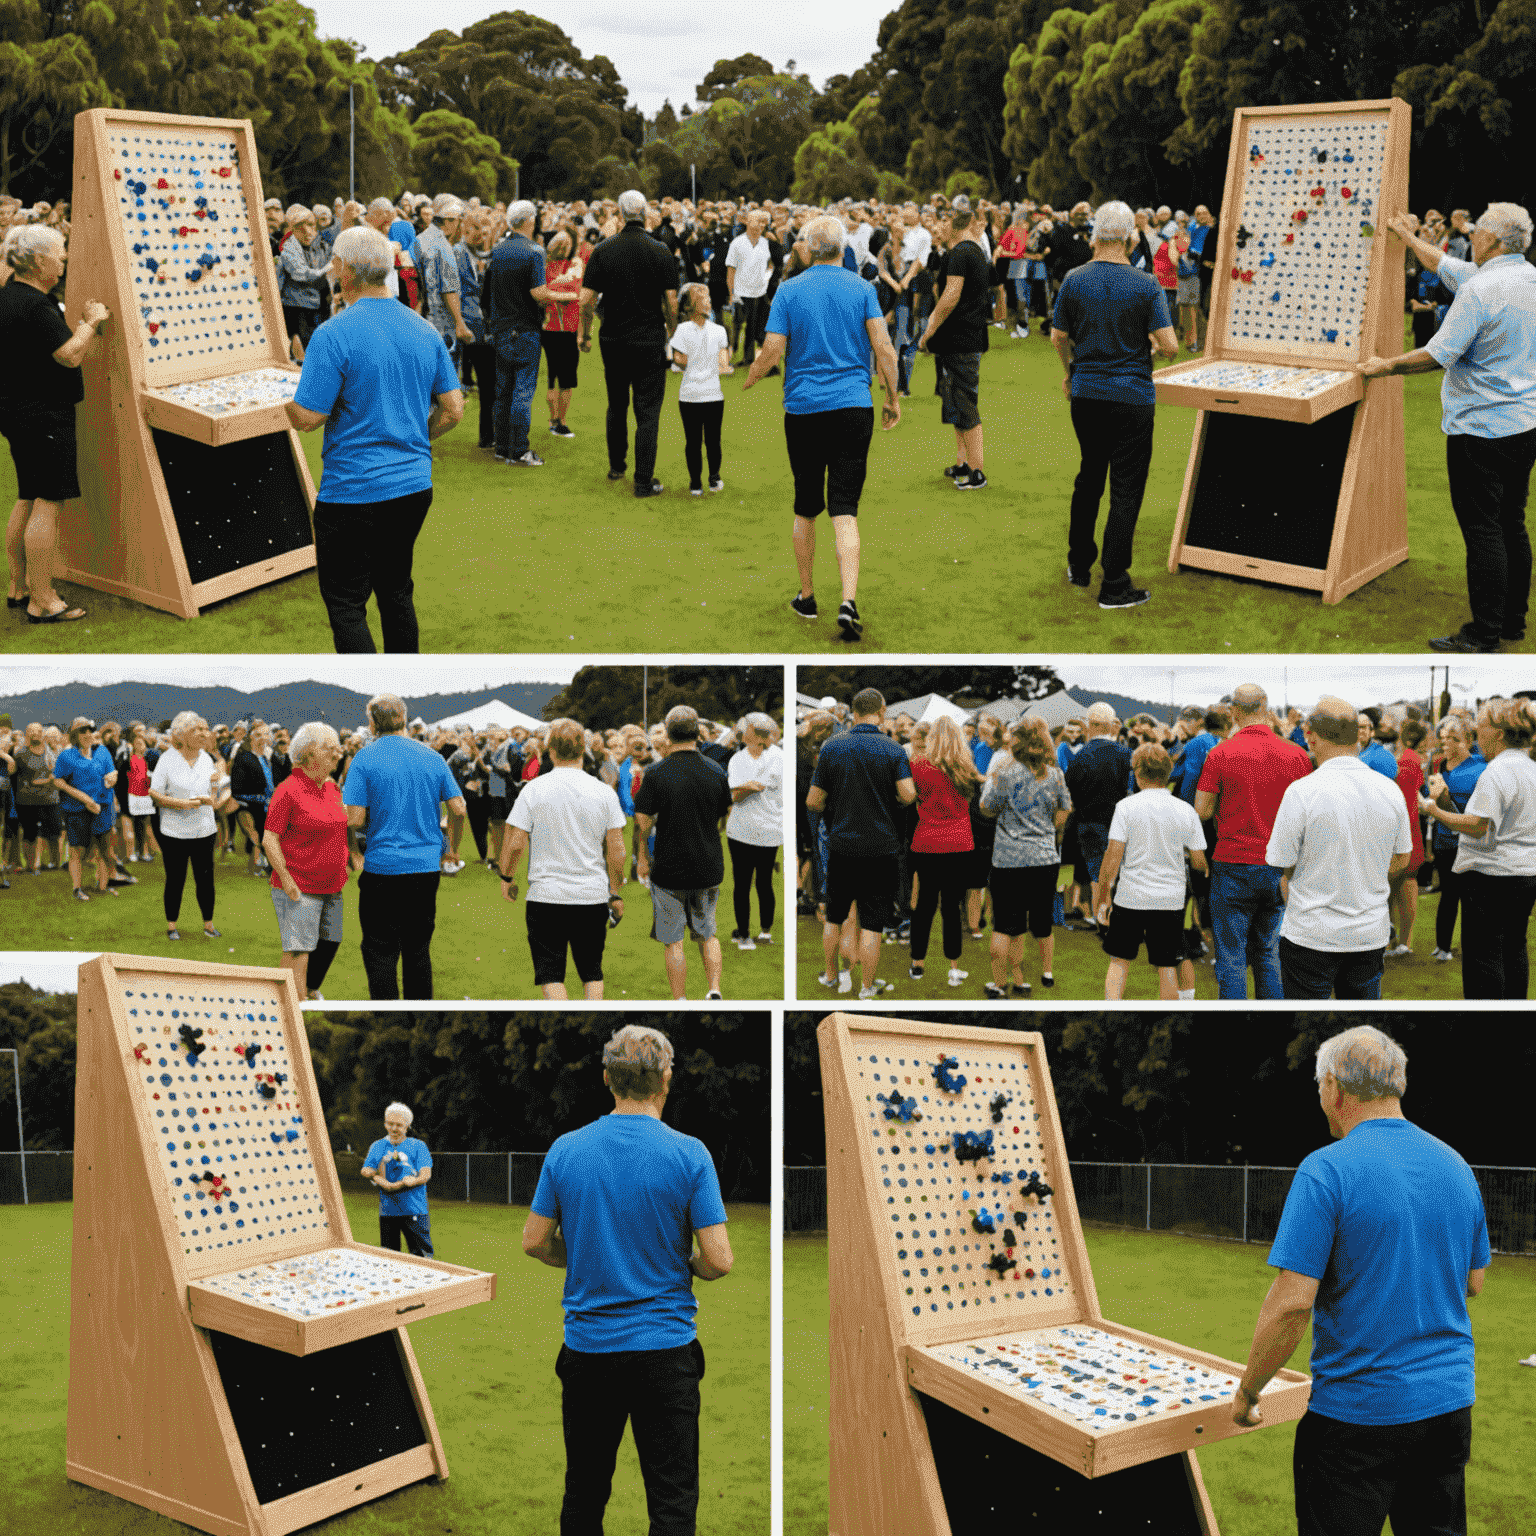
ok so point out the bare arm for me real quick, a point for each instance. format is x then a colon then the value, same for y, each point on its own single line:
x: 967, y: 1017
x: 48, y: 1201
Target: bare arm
x: 588, y: 310
x: 942, y: 310
x: 1109, y: 871
x: 1421, y: 360
x: 302, y: 420
x: 513, y: 845
x: 1197, y: 860
x: 816, y: 798
x: 643, y: 825
x: 542, y: 1241
x: 1475, y: 1282
x: 1428, y: 255
x: 1282, y: 1321
x: 613, y: 853
x: 80, y: 345
x: 357, y: 816
x: 1456, y: 821
x: 906, y: 791
x: 1205, y: 803
x: 714, y: 1259
x: 885, y: 361
x: 447, y: 413
x: 769, y: 355
x: 1165, y: 341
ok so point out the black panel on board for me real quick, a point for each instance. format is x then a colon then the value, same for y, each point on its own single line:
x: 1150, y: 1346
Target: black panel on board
x: 1268, y: 490
x: 986, y: 1478
x: 304, y: 1419
x: 234, y: 506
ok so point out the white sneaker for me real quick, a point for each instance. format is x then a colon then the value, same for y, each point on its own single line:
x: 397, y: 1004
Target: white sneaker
x: 1398, y: 951
x: 956, y: 975
x: 1442, y: 954
x: 821, y: 979
x: 865, y: 993
x: 765, y: 938
x: 845, y: 981
x: 745, y: 944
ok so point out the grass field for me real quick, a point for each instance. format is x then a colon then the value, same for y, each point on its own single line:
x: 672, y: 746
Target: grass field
x: 479, y: 949
x: 539, y: 558
x: 1204, y: 1293
x: 489, y: 1372
x: 1080, y: 963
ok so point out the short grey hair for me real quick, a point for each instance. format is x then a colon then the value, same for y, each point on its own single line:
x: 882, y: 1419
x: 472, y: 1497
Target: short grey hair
x: 635, y: 1059
x: 366, y: 251
x: 184, y: 722
x: 1113, y: 221
x: 1511, y: 223
x: 397, y: 1108
x: 386, y: 712
x: 446, y: 206
x: 761, y: 723
x: 632, y: 205
x: 381, y: 205
x: 520, y: 212
x: 298, y: 212
x: 825, y: 237
x: 1365, y: 1063
x: 315, y: 733
x: 27, y: 244
x: 682, y: 723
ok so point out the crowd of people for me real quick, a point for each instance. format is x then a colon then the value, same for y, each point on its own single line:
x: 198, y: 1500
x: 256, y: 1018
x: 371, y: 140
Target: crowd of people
x: 390, y: 803
x: 1290, y: 845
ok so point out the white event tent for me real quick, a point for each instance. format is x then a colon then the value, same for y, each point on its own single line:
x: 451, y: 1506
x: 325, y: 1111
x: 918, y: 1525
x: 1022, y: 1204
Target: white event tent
x: 483, y: 716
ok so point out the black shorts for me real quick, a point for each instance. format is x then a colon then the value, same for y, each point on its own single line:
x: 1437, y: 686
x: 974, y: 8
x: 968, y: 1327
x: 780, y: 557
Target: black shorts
x: 562, y: 353
x: 829, y: 458
x: 960, y: 390
x: 258, y: 813
x: 300, y: 322
x: 39, y: 821
x: 43, y: 451
x: 869, y: 881
x: 496, y: 808
x: 551, y: 927
x: 1162, y: 932
x: 1024, y: 900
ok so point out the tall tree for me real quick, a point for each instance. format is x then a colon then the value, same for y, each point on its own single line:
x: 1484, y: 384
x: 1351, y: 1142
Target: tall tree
x: 727, y: 74
x: 451, y: 152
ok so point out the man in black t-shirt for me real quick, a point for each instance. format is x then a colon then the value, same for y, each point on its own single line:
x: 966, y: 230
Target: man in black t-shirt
x: 957, y: 336
x: 683, y: 797
x: 637, y: 280
x: 1098, y: 779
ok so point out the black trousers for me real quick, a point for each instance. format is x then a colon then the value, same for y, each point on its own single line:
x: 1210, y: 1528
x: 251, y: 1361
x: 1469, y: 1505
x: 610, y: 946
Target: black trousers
x: 942, y: 881
x: 657, y: 1392
x: 477, y: 812
x: 362, y: 549
x: 641, y: 372
x: 480, y: 368
x: 751, y: 325
x: 1450, y: 899
x: 1351, y: 1478
x: 178, y: 853
x: 1495, y: 911
x: 397, y: 914
x: 701, y: 431
x: 416, y: 1230
x: 1316, y: 974
x: 1115, y: 440
x: 829, y: 457
x: 749, y: 862
x: 1490, y: 477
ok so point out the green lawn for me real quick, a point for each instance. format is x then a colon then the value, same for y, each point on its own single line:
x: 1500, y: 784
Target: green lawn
x: 559, y: 559
x: 1080, y: 963
x: 489, y: 1372
x: 1204, y: 1293
x: 479, y: 949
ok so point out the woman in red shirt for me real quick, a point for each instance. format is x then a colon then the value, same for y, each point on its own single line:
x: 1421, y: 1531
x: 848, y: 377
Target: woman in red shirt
x: 562, y: 276
x: 1410, y: 779
x: 946, y: 780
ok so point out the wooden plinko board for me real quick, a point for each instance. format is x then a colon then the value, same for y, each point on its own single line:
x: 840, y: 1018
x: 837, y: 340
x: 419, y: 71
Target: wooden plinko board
x: 211, y: 1248
x: 959, y: 1276
x: 169, y: 233
x: 1308, y: 282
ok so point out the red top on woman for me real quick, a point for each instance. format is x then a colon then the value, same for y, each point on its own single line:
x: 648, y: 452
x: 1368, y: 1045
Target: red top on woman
x: 1163, y: 268
x: 138, y: 776
x: 1410, y: 779
x: 557, y: 316
x: 943, y: 813
x: 310, y: 824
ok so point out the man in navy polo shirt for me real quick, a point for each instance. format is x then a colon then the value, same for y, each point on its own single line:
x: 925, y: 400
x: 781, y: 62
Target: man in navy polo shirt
x: 1098, y: 779
x: 512, y: 299
x: 1382, y: 1241
x: 861, y: 778
x: 618, y: 1207
x: 378, y: 377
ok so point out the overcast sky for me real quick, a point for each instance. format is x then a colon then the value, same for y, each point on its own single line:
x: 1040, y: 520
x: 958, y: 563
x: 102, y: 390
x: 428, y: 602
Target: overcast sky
x: 661, y: 48
x: 47, y: 969
x: 413, y: 676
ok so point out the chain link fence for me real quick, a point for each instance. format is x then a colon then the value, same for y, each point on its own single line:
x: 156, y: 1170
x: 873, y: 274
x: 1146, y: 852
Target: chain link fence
x: 1242, y: 1204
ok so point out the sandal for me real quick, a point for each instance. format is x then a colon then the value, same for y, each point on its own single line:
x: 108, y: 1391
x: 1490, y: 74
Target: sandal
x: 65, y: 615
x: 16, y: 602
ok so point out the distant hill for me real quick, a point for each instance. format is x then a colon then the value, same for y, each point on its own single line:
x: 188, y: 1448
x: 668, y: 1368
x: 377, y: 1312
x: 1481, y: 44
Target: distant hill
x: 290, y: 704
x: 1126, y: 707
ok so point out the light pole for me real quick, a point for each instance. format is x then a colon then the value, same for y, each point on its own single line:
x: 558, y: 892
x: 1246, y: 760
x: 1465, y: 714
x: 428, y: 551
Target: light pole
x: 21, y: 1145
x: 352, y: 157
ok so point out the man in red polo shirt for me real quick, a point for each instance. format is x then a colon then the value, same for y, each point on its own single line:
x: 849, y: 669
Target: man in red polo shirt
x: 1241, y: 785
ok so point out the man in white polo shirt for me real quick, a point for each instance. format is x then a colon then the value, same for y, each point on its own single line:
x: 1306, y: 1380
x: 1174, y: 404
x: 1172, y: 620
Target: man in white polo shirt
x: 1341, y: 837
x: 573, y: 828
x: 748, y: 265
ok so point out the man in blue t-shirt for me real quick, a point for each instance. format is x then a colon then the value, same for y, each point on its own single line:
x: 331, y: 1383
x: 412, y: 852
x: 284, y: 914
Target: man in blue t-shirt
x: 378, y: 377
x: 1106, y: 313
x: 618, y: 1206
x: 861, y: 778
x: 1382, y: 1240
x: 398, y: 1166
x: 822, y: 325
x: 394, y: 788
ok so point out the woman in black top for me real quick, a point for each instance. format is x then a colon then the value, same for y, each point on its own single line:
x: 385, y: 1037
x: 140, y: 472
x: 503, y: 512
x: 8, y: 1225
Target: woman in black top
x: 39, y: 389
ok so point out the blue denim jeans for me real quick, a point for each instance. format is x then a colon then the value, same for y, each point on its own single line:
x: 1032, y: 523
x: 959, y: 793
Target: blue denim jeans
x: 901, y: 319
x: 1246, y: 910
x: 906, y: 359
x: 517, y: 377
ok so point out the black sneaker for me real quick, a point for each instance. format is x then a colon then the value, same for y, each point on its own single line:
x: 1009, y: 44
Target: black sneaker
x: 994, y: 992
x: 848, y: 620
x: 716, y: 483
x: 1021, y: 989
x: 527, y: 460
x: 1080, y: 579
x: 975, y: 481
x: 1132, y: 597
x: 616, y: 474
x: 655, y: 488
x: 804, y: 606
x: 955, y: 471
x: 500, y: 458
x: 559, y: 429
x: 1463, y: 644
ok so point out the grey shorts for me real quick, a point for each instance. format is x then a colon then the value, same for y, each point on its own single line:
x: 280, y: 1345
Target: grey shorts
x: 960, y: 390
x: 1188, y: 291
x: 676, y: 914
x: 303, y: 923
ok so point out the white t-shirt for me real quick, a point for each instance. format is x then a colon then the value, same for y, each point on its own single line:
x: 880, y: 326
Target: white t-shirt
x: 916, y: 245
x: 567, y: 814
x: 751, y: 264
x: 701, y: 345
x: 1156, y: 828
x: 859, y: 237
x: 1506, y: 795
x: 759, y: 819
x: 1339, y: 828
x: 182, y: 780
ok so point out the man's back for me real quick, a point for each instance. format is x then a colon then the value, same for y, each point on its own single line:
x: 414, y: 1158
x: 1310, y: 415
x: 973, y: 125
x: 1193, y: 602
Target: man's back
x: 822, y: 316
x: 567, y: 816
x: 516, y: 268
x: 628, y: 1192
x: 1389, y: 1220
x: 401, y: 782
x: 859, y: 772
x: 687, y: 794
x: 633, y: 273
x: 1249, y: 773
x: 1098, y: 779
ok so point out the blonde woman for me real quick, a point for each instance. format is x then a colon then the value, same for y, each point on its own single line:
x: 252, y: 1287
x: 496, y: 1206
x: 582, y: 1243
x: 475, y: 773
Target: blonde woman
x: 946, y: 781
x: 978, y: 900
x: 703, y: 351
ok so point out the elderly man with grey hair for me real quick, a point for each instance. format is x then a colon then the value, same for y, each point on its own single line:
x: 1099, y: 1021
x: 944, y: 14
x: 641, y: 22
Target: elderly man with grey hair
x: 754, y: 830
x: 40, y: 386
x: 619, y: 1206
x: 439, y: 269
x: 513, y: 294
x: 379, y: 379
x: 1382, y: 1242
x: 824, y: 325
x: 1106, y: 315
x: 1488, y: 413
x: 380, y: 215
x: 683, y: 796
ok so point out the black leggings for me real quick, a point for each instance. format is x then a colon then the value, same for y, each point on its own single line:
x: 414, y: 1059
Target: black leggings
x: 1450, y: 899
x: 178, y: 852
x: 480, y: 365
x: 701, y: 421
x: 747, y: 860
x: 477, y: 812
x: 942, y: 881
